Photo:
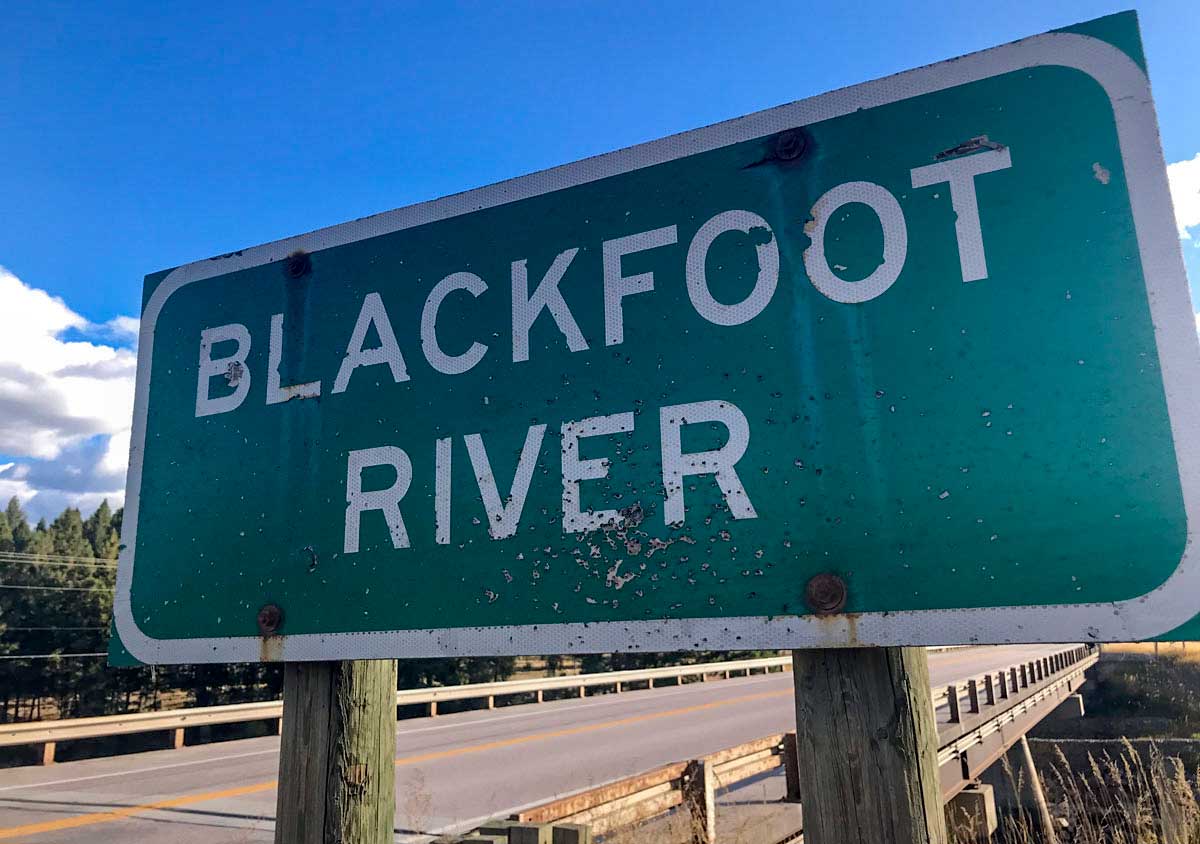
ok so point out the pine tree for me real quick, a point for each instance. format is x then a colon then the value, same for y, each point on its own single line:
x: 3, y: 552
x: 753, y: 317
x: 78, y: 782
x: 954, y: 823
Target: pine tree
x: 110, y: 547
x: 102, y: 532
x: 68, y: 536
x: 19, y: 524
x: 41, y: 542
x: 6, y: 534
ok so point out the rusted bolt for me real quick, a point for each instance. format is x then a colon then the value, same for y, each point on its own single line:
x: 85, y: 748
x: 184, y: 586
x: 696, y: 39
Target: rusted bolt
x: 826, y: 594
x: 269, y: 619
x: 790, y: 145
x: 298, y: 264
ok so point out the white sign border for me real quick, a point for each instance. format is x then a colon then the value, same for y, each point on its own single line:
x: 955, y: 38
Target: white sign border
x: 1159, y: 611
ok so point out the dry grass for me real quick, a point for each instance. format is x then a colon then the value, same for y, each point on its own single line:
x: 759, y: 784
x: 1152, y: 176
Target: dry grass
x: 676, y: 827
x: 1184, y: 651
x: 1120, y: 799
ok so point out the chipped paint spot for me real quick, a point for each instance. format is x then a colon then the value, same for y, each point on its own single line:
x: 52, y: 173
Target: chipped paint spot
x: 614, y: 580
x: 234, y: 373
x: 979, y: 142
x: 1101, y: 173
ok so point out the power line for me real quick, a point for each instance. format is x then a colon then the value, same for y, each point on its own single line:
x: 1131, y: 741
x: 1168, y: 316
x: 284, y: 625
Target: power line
x: 54, y: 588
x: 43, y: 555
x: 55, y: 560
x: 58, y: 564
x: 50, y: 656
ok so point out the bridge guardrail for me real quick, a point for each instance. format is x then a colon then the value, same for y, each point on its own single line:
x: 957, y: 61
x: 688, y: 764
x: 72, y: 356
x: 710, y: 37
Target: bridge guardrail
x: 979, y: 718
x: 175, y: 721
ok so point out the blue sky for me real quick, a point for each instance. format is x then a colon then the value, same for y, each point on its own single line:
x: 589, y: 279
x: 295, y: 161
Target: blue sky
x: 140, y: 136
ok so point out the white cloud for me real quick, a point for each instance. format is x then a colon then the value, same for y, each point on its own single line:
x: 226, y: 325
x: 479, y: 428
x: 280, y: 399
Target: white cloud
x: 65, y: 404
x: 120, y: 329
x: 1184, y: 177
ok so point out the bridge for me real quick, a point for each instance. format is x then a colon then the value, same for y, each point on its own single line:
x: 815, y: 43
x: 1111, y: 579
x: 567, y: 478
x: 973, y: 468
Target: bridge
x: 457, y: 770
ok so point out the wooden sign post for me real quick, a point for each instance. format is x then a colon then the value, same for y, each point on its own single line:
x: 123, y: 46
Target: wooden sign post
x: 337, y: 757
x: 867, y: 746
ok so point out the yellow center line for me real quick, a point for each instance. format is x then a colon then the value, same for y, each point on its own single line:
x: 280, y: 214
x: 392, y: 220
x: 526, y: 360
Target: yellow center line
x: 129, y: 811
x: 188, y: 799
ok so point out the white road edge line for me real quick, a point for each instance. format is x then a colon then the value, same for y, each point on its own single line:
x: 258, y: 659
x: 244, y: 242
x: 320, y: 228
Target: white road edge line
x: 151, y: 769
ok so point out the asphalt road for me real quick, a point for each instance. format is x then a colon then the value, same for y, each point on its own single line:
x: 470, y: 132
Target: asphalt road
x: 450, y: 771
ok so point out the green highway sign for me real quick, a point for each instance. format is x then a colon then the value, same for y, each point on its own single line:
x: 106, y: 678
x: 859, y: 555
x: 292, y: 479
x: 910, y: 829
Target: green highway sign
x: 912, y: 362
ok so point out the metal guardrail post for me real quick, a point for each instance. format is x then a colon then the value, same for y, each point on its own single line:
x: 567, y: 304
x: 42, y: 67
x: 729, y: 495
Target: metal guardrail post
x: 973, y: 696
x: 953, y: 703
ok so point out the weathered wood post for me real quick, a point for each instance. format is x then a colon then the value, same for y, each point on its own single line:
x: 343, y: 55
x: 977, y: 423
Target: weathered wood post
x: 866, y: 742
x: 699, y: 792
x: 337, y: 769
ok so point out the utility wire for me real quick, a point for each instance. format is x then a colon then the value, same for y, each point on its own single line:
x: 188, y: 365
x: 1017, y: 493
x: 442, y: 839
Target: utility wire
x: 22, y: 588
x: 58, y: 564
x: 50, y: 656
x: 55, y: 560
x: 53, y: 555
